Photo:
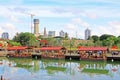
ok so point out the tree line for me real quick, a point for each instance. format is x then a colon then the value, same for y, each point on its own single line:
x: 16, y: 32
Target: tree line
x: 28, y: 39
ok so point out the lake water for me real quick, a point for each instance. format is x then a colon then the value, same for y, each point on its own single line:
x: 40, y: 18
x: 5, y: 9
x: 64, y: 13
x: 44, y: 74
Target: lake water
x: 28, y: 69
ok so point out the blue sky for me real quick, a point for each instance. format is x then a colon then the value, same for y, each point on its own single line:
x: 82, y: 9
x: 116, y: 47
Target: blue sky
x: 101, y: 16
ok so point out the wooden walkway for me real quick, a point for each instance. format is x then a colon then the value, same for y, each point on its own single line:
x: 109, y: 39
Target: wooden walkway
x: 113, y: 57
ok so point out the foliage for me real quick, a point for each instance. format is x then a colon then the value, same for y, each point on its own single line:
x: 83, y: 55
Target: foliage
x: 103, y: 40
x: 105, y: 36
x: 95, y: 38
x: 13, y: 43
x: 25, y: 39
x: 3, y: 43
x: 66, y: 35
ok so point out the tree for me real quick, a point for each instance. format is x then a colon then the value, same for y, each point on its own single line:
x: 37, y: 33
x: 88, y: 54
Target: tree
x: 105, y: 36
x: 95, y: 38
x: 13, y: 43
x: 66, y: 35
x: 110, y: 41
x: 25, y: 39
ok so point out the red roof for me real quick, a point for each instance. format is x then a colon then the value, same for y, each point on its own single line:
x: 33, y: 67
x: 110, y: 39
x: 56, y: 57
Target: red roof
x: 92, y: 48
x: 17, y: 48
x: 0, y: 44
x: 51, y: 48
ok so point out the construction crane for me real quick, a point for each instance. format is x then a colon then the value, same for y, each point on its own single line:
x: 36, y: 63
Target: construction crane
x: 31, y: 15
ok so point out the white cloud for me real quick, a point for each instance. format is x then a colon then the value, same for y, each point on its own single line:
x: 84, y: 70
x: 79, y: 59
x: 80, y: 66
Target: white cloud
x: 112, y: 27
x: 77, y: 25
x: 10, y: 28
x: 115, y: 27
x: 80, y: 22
x: 70, y: 26
x: 80, y: 14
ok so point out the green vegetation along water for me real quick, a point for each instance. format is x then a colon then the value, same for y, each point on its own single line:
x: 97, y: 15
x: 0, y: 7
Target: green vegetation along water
x: 28, y: 69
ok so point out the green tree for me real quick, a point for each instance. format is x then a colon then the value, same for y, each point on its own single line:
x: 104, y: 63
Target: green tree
x: 95, y: 38
x: 25, y: 39
x: 110, y: 41
x: 13, y: 43
x: 66, y: 35
x: 105, y: 36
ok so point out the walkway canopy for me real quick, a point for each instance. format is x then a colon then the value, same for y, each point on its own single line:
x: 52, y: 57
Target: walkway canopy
x: 17, y: 48
x: 92, y: 48
x: 52, y: 48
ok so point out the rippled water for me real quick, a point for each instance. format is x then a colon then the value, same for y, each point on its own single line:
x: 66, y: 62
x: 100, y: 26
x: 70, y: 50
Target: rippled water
x: 28, y: 69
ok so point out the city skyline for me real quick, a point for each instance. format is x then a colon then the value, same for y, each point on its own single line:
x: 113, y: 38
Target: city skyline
x: 100, y: 16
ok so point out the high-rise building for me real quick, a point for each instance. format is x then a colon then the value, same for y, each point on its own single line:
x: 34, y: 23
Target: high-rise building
x: 87, y: 34
x: 36, y: 27
x: 51, y: 33
x: 45, y: 34
x: 5, y: 35
x: 62, y: 33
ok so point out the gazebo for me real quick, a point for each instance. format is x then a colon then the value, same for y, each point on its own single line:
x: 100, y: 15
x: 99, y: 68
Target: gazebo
x: 53, y: 52
x: 93, y: 52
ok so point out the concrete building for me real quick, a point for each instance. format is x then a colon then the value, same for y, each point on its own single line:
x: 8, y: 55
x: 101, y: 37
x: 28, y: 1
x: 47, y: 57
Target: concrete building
x: 45, y: 33
x: 5, y: 35
x: 36, y: 27
x: 62, y: 33
x: 87, y: 34
x: 51, y: 33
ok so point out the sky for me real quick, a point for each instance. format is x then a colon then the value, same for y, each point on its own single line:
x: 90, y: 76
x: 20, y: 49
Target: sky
x: 71, y: 16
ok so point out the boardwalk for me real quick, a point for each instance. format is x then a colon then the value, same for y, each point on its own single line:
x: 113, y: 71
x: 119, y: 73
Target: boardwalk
x: 113, y: 57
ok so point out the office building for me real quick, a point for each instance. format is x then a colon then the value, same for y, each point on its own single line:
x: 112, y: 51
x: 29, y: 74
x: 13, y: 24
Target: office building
x: 87, y: 34
x: 62, y: 33
x: 45, y: 33
x: 51, y: 33
x: 36, y: 27
x: 5, y: 35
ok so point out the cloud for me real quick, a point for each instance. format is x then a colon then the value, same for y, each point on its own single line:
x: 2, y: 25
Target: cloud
x: 115, y: 27
x: 10, y: 28
x: 80, y: 22
x: 70, y: 26
x: 76, y: 25
x: 111, y: 27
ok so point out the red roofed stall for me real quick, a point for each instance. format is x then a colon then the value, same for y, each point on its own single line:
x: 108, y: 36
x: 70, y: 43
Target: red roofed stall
x: 17, y: 48
x: 93, y: 52
x: 93, y: 49
x: 19, y: 51
x: 53, y: 52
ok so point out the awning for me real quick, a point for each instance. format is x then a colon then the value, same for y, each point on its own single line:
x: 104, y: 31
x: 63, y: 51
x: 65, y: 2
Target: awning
x: 51, y: 48
x: 17, y: 48
x: 93, y: 48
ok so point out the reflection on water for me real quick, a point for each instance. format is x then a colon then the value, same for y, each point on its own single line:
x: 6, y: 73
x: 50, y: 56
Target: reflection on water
x: 28, y: 69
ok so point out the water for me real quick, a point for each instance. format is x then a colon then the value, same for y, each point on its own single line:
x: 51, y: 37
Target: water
x: 28, y: 69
